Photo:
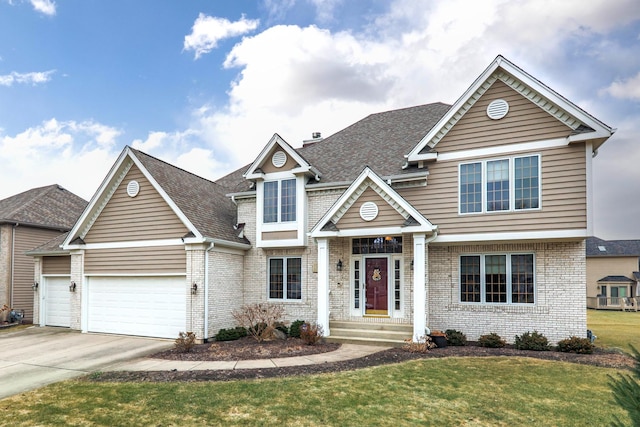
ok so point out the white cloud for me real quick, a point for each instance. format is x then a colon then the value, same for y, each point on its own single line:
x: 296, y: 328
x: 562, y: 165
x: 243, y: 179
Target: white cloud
x: 625, y: 89
x: 207, y: 31
x: 48, y: 7
x: 76, y: 155
x: 32, y: 78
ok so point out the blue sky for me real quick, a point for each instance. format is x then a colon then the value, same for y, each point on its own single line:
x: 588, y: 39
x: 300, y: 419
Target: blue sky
x: 205, y: 84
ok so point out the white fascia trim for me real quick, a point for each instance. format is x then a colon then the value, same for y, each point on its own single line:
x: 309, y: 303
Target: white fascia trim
x: 132, y: 244
x: 223, y: 245
x: 515, y: 236
x: 281, y: 243
x: 502, y: 150
x: 242, y: 195
x: 90, y: 275
x: 277, y: 139
x: 372, y: 232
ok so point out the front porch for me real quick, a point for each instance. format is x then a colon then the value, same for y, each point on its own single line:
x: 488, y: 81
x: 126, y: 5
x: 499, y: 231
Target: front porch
x: 370, y: 333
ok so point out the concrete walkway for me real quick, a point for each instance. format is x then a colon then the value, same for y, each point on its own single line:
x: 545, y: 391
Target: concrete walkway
x: 345, y: 352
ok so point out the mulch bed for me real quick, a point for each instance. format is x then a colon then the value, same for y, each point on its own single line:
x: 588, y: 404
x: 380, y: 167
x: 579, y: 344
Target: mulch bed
x: 246, y: 349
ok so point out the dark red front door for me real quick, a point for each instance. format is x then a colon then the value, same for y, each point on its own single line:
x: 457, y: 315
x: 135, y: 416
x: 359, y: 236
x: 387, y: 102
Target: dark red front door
x: 377, y: 286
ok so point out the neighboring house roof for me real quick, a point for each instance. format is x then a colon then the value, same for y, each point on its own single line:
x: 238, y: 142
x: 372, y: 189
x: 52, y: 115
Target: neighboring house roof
x: 379, y: 141
x: 636, y: 276
x: 202, y: 201
x: 52, y: 247
x: 616, y: 279
x: 602, y: 248
x: 50, y: 207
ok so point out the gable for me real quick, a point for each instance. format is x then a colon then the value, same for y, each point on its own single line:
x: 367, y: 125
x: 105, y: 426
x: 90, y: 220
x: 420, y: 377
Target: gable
x: 278, y: 160
x: 387, y: 215
x: 524, y: 122
x: 146, y: 216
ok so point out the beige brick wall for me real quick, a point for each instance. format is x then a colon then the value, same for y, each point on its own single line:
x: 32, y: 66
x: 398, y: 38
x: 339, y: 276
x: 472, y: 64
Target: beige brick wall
x: 226, y: 276
x: 195, y: 302
x: 559, y: 311
x: 77, y: 276
x: 37, y: 277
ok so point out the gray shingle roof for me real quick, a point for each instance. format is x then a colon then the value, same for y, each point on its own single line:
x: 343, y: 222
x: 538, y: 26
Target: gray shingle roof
x: 616, y: 279
x: 202, y: 201
x: 50, y: 207
x: 612, y: 247
x: 379, y: 141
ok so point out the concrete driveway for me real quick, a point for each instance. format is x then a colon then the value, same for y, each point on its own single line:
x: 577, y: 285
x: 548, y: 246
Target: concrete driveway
x: 37, y: 356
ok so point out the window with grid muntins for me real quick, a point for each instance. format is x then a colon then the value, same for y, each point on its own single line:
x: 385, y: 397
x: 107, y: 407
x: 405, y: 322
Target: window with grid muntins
x: 497, y: 279
x: 471, y: 188
x: 526, y: 183
x: 285, y: 278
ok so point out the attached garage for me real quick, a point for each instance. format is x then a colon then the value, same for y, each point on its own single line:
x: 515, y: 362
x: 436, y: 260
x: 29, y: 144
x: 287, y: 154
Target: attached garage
x: 135, y: 305
x: 57, y: 302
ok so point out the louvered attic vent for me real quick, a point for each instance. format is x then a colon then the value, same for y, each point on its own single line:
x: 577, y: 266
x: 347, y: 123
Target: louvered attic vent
x: 497, y: 109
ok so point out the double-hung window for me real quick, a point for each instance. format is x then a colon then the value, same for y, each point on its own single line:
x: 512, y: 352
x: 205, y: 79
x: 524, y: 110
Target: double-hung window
x: 497, y: 279
x: 500, y: 185
x: 285, y: 278
x: 279, y: 201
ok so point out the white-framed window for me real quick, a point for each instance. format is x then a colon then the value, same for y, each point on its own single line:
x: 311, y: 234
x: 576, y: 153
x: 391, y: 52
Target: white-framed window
x: 279, y: 201
x: 497, y: 279
x: 285, y: 278
x: 499, y: 185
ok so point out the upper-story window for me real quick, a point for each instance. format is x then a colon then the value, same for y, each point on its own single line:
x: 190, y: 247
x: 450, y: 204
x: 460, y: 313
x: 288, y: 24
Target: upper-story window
x: 500, y: 185
x: 280, y: 201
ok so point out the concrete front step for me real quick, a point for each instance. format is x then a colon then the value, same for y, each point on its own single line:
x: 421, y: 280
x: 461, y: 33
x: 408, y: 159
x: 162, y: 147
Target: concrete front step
x: 384, y: 334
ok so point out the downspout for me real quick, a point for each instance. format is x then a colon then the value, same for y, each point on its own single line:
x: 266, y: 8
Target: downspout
x: 206, y: 292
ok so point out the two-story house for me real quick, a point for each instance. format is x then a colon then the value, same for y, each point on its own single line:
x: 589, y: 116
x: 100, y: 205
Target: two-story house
x: 471, y: 216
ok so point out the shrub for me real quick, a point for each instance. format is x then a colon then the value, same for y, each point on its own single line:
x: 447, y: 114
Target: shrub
x: 455, y: 338
x: 283, y: 328
x: 231, y: 334
x: 185, y: 342
x: 532, y: 341
x: 260, y: 319
x: 422, y: 345
x: 294, y: 330
x: 626, y: 390
x: 491, y: 340
x: 576, y: 345
x: 311, y: 333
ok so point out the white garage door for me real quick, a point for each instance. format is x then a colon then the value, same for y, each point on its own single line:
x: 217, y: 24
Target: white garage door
x: 57, y: 301
x: 145, y: 306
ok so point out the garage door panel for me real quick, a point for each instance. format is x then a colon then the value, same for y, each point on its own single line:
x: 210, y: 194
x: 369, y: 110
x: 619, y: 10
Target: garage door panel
x: 145, y: 306
x: 57, y: 302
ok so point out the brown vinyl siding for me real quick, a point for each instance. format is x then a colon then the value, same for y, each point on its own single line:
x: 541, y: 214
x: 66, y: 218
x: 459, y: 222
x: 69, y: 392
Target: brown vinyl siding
x: 56, y: 264
x: 563, y: 197
x: 26, y: 238
x: 279, y: 235
x: 524, y: 122
x: 158, y: 259
x: 144, y: 217
x: 387, y: 215
x: 267, y: 165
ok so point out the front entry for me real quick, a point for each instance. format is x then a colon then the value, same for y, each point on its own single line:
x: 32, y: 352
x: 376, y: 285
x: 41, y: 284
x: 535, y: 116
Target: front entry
x: 376, y: 287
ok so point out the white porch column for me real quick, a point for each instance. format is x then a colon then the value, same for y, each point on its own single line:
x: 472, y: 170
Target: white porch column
x: 419, y: 286
x: 323, y: 285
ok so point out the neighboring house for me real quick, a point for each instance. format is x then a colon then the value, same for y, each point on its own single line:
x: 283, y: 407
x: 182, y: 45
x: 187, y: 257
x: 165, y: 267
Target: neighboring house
x: 472, y: 217
x: 613, y: 272
x: 28, y: 220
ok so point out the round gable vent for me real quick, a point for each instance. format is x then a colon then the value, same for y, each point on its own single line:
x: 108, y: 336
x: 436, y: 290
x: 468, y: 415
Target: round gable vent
x: 278, y: 159
x: 133, y: 188
x: 497, y: 109
x: 368, y: 211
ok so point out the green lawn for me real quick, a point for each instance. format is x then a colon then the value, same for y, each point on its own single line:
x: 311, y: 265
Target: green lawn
x: 615, y: 329
x: 496, y: 391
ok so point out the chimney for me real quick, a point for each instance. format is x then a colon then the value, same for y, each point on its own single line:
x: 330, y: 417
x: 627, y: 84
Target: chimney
x: 315, y: 137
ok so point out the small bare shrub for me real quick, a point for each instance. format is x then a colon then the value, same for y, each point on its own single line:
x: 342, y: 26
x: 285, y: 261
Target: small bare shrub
x: 260, y: 320
x: 185, y: 342
x: 311, y: 333
x: 422, y: 345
